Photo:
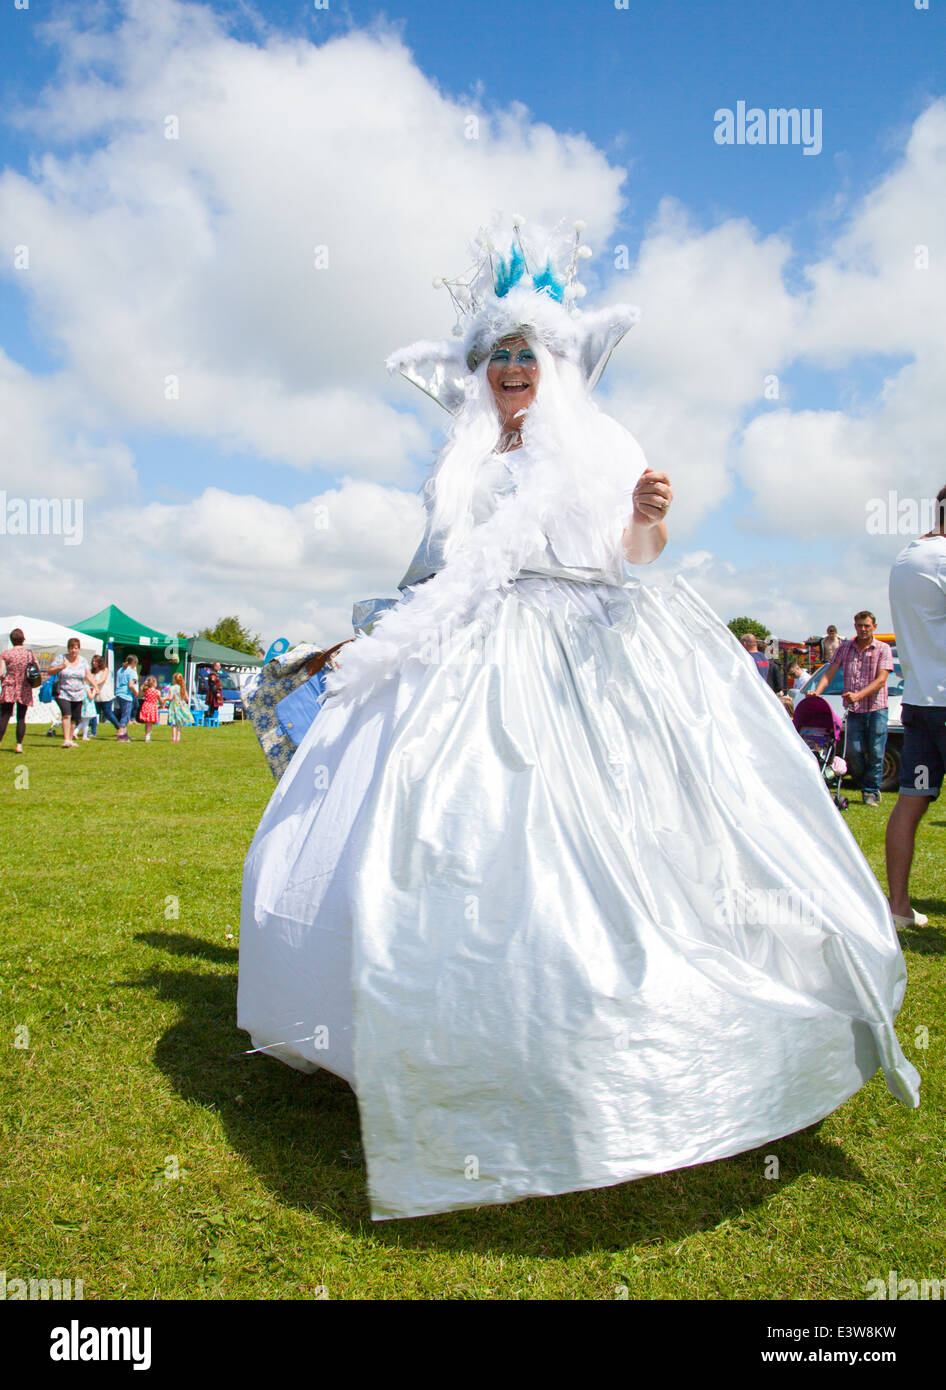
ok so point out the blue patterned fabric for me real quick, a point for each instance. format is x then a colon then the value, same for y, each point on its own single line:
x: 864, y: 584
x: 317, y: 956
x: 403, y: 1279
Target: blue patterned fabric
x: 296, y: 712
x: 280, y: 678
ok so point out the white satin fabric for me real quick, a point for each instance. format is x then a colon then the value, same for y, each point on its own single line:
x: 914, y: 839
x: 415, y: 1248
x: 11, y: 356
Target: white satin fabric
x: 575, y: 910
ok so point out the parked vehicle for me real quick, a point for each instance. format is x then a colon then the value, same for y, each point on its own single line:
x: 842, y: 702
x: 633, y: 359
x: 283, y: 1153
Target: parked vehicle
x: 890, y: 779
x: 229, y: 686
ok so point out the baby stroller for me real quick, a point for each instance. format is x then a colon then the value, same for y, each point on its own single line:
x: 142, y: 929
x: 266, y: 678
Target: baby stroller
x: 821, y: 728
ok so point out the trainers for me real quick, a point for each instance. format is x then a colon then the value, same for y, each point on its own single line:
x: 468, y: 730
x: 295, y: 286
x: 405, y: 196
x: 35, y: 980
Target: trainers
x: 871, y: 799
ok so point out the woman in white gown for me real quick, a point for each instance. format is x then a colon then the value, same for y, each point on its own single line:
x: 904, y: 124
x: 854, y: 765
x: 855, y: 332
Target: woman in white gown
x: 551, y: 880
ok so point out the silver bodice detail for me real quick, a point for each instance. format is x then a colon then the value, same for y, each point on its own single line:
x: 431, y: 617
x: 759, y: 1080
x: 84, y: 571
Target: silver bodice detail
x: 496, y: 480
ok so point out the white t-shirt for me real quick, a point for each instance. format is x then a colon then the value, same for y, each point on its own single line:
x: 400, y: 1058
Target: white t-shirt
x: 918, y: 608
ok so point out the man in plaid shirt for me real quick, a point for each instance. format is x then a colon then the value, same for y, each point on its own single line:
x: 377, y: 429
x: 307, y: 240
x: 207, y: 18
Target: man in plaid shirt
x: 867, y: 664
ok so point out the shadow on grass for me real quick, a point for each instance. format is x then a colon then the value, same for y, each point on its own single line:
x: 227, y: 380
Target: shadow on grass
x: 922, y: 941
x: 925, y: 941
x: 179, y: 944
x: 301, y: 1134
x: 936, y: 906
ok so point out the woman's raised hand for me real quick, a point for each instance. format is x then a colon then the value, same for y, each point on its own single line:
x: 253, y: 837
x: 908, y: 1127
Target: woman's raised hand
x: 652, y: 497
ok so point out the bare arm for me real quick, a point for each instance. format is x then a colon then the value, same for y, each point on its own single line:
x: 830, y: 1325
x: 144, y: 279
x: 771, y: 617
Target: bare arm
x: 854, y: 697
x: 642, y: 544
x: 646, y: 532
x: 827, y: 677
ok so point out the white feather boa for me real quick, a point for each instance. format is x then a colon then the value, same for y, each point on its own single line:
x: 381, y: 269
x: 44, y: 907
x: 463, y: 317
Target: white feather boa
x: 581, y: 490
x: 466, y: 591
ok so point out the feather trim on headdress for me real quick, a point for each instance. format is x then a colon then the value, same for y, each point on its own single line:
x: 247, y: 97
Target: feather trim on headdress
x: 503, y: 295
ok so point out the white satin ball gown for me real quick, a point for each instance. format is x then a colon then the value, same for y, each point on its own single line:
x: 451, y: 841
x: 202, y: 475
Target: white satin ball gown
x: 572, y: 912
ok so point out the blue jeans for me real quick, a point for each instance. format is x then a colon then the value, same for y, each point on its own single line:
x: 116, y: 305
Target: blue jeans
x: 124, y: 711
x: 105, y: 710
x: 866, y: 743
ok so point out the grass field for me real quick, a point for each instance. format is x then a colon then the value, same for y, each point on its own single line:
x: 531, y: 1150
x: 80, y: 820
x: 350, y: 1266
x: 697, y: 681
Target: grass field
x: 144, y: 1155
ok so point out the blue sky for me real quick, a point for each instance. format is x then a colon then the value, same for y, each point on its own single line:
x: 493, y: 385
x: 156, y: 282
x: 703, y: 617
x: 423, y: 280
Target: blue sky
x: 642, y: 85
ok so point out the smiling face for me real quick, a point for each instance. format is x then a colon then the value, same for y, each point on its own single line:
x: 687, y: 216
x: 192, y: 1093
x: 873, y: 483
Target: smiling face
x: 513, y: 375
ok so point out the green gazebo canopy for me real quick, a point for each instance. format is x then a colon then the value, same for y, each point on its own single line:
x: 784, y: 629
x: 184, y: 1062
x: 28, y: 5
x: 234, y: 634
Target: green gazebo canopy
x: 112, y: 625
x: 199, y: 649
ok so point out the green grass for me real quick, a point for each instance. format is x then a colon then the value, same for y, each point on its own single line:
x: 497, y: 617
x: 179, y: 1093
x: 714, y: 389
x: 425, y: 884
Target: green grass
x: 133, y: 1073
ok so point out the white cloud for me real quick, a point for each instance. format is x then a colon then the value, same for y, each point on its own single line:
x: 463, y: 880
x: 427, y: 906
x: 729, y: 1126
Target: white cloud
x: 796, y: 601
x: 716, y: 319
x: 816, y: 469
x: 195, y: 257
x: 716, y: 314
x: 47, y: 439
x: 880, y: 290
x: 295, y: 566
x: 283, y: 570
x: 871, y: 294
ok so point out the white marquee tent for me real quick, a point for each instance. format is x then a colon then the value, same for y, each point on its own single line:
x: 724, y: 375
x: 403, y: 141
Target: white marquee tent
x: 47, y: 641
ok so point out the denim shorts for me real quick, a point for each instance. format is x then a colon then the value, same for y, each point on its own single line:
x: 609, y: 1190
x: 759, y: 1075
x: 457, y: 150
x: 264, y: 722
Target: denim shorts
x: 923, y: 761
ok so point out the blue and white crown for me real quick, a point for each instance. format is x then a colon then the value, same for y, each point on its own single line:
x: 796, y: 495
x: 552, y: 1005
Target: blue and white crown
x: 534, y: 290
x: 546, y: 264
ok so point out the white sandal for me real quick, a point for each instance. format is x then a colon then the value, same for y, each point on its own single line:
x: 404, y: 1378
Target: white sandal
x: 918, y: 919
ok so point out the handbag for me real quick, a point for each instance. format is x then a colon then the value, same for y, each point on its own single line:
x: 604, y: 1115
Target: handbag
x: 34, y: 675
x: 280, y: 678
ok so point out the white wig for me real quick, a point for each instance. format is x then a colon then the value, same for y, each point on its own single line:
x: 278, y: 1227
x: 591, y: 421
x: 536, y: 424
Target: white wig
x: 575, y: 473
x: 582, y: 455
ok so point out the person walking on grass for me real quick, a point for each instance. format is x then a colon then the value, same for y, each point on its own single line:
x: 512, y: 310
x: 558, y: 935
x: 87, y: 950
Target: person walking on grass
x: 179, y: 712
x: 75, y: 679
x: 918, y: 608
x: 126, y: 693
x: 102, y: 680
x: 88, y: 716
x: 867, y: 663
x: 89, y: 722
x: 150, y: 705
x: 15, y: 689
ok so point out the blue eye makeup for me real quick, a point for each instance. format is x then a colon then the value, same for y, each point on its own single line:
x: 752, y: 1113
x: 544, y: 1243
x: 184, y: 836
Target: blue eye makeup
x: 525, y: 356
